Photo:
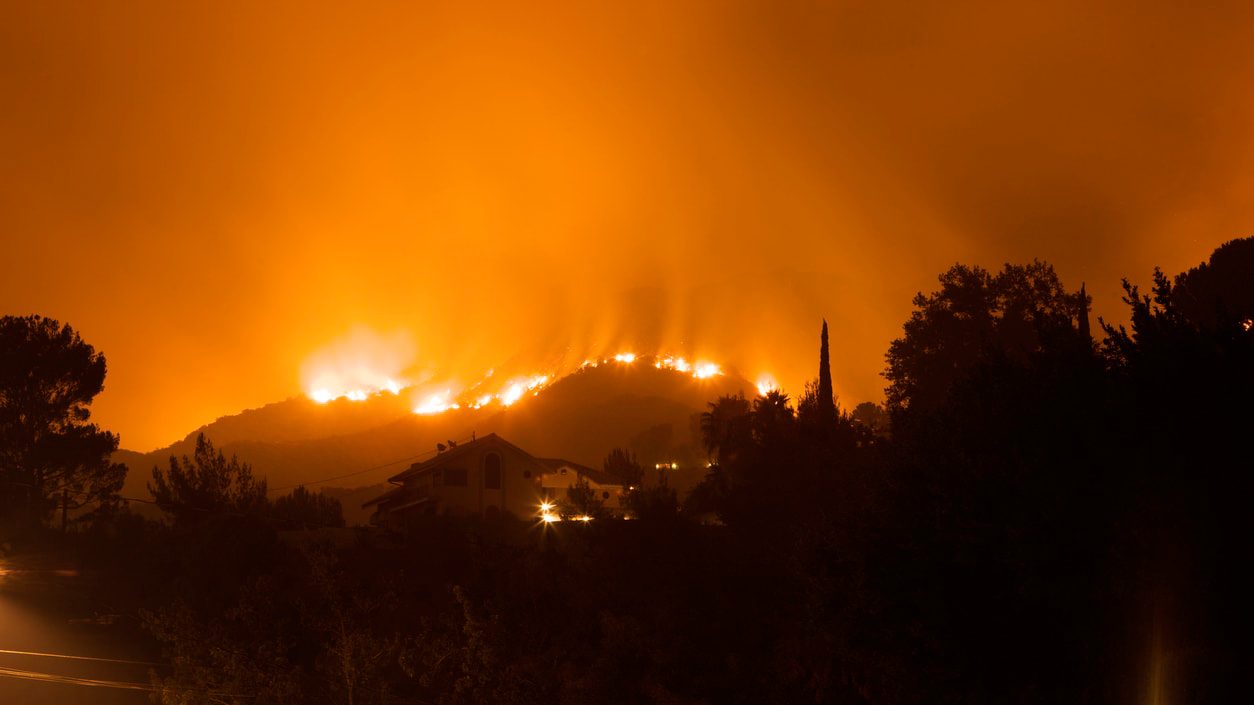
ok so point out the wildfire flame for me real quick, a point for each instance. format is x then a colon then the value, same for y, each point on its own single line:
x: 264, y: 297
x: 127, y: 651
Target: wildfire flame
x: 673, y: 363
x: 437, y: 403
x: 355, y: 370
x: 705, y: 370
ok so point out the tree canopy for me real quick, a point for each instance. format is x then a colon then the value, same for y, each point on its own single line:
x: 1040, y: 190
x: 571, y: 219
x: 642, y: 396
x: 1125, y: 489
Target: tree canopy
x: 1217, y: 292
x: 50, y: 453
x: 207, y: 484
x: 1015, y: 313
x: 621, y: 464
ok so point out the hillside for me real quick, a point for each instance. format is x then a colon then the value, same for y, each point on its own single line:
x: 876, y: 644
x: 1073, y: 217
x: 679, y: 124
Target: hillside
x: 579, y: 417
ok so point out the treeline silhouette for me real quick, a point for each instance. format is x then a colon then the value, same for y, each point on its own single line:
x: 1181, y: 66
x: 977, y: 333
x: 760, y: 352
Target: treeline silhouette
x: 1044, y: 511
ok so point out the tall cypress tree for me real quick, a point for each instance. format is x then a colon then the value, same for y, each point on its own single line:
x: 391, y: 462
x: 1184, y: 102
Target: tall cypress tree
x: 1083, y: 323
x: 826, y: 400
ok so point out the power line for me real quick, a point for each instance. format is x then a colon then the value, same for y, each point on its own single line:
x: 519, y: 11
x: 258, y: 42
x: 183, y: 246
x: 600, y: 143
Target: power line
x: 351, y: 474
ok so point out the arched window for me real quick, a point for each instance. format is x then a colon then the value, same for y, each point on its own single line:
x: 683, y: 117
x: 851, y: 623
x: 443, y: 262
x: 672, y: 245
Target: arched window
x: 492, y: 472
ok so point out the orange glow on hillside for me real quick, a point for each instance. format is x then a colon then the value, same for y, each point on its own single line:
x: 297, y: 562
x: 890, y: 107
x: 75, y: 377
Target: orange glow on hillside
x: 705, y: 370
x: 334, y: 373
x: 437, y: 403
x: 358, y: 366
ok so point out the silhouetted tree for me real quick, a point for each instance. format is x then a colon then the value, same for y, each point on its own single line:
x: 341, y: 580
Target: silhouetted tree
x: 773, y: 419
x: 621, y: 465
x: 305, y: 509
x: 1181, y: 376
x: 1217, y: 293
x: 808, y: 404
x: 1082, y: 322
x: 207, y: 484
x: 581, y: 500
x: 1020, y: 310
x: 653, y: 502
x: 726, y: 426
x: 825, y: 409
x: 50, y: 455
x: 872, y: 417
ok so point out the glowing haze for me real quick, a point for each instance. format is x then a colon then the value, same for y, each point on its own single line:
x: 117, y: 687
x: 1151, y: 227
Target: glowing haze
x: 359, y: 365
x: 212, y: 193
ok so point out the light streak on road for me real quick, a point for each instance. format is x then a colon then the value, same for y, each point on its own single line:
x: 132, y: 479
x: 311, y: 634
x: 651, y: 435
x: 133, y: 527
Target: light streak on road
x: 78, y: 658
x: 72, y: 680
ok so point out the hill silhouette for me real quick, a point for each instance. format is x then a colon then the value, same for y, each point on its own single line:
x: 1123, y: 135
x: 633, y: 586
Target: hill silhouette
x: 581, y: 417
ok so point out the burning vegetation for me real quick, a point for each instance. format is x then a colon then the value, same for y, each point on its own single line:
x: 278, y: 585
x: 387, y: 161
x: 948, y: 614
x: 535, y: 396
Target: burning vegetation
x: 355, y: 380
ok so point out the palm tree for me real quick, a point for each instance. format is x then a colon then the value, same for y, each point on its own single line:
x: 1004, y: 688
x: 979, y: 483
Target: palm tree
x: 724, y: 426
x: 772, y: 417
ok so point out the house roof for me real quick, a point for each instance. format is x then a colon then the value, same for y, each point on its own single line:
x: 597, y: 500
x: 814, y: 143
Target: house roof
x: 458, y: 451
x: 598, y: 476
x: 388, y: 496
x: 398, y: 498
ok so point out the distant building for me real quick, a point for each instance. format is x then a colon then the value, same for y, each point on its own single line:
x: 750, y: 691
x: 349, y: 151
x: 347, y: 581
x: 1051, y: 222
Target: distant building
x: 486, y: 475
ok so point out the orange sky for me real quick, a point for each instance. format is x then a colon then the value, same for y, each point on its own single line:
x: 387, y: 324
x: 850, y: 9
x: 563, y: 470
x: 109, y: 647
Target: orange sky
x: 210, y: 195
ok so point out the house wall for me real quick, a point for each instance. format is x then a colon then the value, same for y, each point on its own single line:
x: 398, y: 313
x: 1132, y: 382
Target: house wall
x: 520, y: 483
x: 556, y: 484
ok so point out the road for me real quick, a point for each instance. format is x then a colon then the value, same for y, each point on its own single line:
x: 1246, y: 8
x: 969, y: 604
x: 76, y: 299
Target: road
x: 44, y: 621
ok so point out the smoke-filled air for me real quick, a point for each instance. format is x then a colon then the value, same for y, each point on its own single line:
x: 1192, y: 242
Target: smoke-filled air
x: 660, y: 352
x: 524, y: 189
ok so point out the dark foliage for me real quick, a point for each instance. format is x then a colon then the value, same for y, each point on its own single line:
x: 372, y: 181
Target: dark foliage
x: 51, y: 456
x: 621, y: 465
x: 303, y: 509
x: 206, y: 485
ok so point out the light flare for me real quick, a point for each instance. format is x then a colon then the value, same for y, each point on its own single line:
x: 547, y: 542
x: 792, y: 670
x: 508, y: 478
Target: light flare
x: 547, y: 513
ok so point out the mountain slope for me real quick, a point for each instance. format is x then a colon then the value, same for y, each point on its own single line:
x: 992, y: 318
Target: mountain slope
x: 580, y: 417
